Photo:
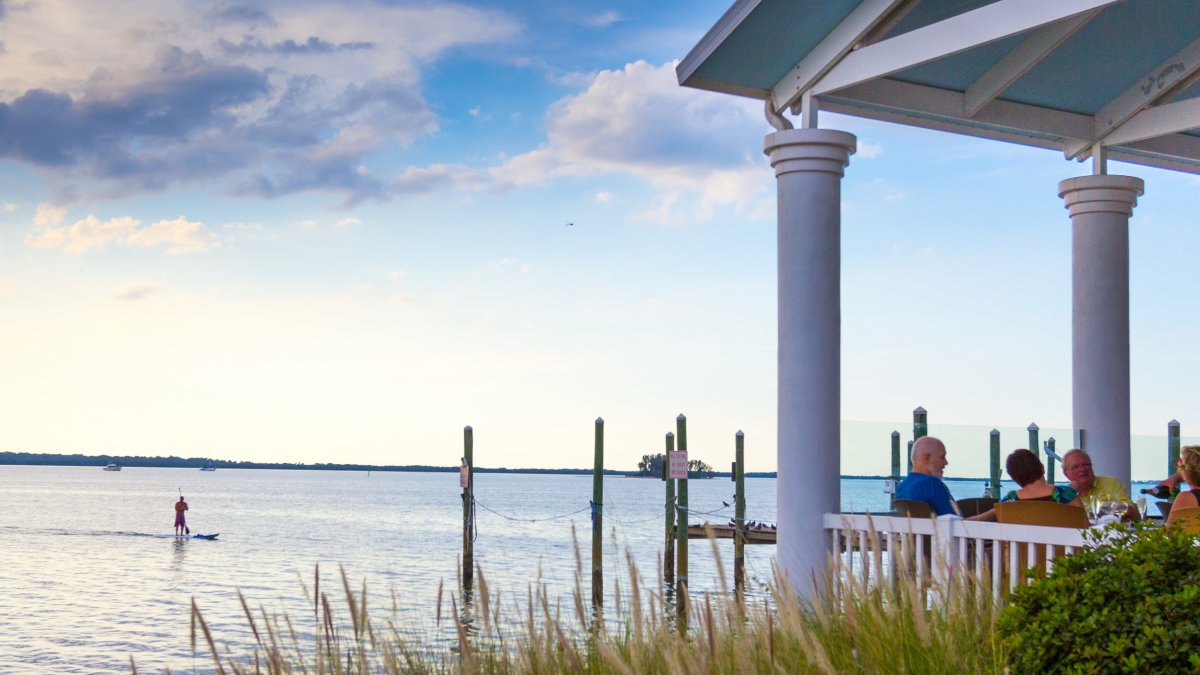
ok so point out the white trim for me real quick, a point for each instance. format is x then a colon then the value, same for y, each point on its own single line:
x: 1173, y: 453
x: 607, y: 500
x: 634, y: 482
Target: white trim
x: 1157, y: 85
x: 830, y: 50
x: 1019, y: 61
x: 1158, y: 121
x: 989, y: 23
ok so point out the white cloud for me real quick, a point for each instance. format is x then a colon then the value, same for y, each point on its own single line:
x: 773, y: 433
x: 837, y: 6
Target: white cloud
x: 474, y: 112
x: 137, y: 291
x: 402, y: 298
x: 604, y: 197
x: 49, y: 214
x: 399, y: 275
x: 9, y: 207
x: 509, y: 265
x: 308, y: 223
x: 347, y: 222
x: 868, y: 150
x: 603, y: 20
x: 178, y: 236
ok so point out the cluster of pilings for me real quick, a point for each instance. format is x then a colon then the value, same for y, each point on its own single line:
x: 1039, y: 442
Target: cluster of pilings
x: 675, y: 556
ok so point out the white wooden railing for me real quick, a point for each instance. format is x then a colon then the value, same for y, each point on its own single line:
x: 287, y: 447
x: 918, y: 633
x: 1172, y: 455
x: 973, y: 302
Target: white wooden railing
x: 876, y: 548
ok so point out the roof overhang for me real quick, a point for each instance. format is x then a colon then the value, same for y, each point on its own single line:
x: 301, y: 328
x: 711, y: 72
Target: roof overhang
x: 1071, y: 75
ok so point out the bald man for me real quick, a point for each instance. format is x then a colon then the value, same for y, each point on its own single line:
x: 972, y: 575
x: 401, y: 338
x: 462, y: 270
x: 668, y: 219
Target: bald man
x: 924, y: 483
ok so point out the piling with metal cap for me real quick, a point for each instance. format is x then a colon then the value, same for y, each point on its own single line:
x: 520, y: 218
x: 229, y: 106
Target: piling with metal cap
x: 681, y: 559
x: 1172, y: 446
x: 669, y: 553
x: 598, y: 517
x: 1033, y: 437
x: 739, y: 514
x: 468, y: 497
x: 994, y: 486
x: 1050, y: 461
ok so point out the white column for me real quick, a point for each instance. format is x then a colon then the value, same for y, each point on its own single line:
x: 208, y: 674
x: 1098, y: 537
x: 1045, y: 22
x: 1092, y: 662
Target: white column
x: 808, y: 164
x: 1100, y: 207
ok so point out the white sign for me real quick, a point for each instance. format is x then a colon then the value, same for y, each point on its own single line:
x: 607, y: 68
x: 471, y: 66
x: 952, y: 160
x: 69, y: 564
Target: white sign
x: 678, y: 465
x: 464, y: 476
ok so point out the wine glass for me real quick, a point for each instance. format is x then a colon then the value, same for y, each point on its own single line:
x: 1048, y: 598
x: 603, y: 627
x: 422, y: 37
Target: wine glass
x: 1093, y: 507
x: 1141, y: 505
x: 1118, y: 509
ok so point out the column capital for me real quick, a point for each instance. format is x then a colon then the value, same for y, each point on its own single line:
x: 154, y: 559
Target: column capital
x: 824, y: 150
x: 1101, y: 194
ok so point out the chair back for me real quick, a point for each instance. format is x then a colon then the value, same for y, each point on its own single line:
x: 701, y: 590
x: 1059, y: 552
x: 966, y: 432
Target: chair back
x: 1186, y: 519
x: 1052, y: 514
x: 976, y: 505
x: 913, y: 509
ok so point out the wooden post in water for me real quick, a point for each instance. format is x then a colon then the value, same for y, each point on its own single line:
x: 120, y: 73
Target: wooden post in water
x: 1172, y: 446
x: 1049, y: 445
x: 681, y: 560
x: 468, y: 497
x: 910, y: 444
x: 1033, y: 437
x: 994, y: 484
x: 895, y: 464
x: 739, y: 516
x: 669, y: 555
x: 920, y: 423
x: 598, y: 518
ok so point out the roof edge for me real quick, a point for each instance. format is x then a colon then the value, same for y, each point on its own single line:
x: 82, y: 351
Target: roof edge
x: 721, y: 30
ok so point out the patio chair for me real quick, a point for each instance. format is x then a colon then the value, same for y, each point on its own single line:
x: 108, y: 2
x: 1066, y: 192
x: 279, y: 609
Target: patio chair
x: 976, y: 505
x: 1050, y: 514
x: 913, y: 509
x: 1185, y: 519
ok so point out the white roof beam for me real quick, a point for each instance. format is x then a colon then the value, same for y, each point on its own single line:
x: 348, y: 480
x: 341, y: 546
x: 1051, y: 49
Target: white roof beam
x: 1021, y: 60
x: 837, y: 43
x: 1157, y: 121
x: 989, y: 23
x: 1159, y: 84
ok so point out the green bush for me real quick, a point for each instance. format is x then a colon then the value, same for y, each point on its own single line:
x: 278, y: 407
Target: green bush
x: 1127, y: 603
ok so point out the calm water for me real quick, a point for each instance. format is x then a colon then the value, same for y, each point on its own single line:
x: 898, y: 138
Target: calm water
x: 83, y: 588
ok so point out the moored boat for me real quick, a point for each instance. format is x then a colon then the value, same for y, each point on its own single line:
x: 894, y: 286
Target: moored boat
x: 112, y: 466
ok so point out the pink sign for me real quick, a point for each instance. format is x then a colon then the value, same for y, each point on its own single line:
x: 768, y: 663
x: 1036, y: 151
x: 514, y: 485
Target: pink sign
x: 463, y: 475
x: 678, y: 465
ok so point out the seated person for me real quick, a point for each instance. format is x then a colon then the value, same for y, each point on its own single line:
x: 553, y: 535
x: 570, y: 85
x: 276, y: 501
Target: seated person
x: 1077, y: 466
x: 924, y: 483
x: 1029, y: 473
x: 1189, y: 469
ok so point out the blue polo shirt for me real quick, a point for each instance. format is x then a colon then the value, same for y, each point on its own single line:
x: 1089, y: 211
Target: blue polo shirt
x: 921, y: 487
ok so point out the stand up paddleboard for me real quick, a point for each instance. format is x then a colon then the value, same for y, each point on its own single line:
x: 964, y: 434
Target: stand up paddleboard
x: 209, y: 537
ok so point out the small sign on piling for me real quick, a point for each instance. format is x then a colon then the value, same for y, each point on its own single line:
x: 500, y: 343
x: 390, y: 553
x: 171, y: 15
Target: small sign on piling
x: 679, y: 465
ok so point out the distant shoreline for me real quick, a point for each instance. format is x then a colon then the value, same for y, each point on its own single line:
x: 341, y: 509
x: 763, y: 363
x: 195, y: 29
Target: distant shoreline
x: 53, y: 459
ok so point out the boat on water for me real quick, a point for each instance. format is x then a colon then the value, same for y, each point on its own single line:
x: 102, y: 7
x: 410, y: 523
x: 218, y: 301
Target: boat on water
x: 208, y: 466
x: 112, y: 466
x: 756, y: 533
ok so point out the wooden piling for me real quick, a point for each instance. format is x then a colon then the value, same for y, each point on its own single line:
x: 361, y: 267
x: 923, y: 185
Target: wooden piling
x: 669, y: 554
x: 681, y: 559
x: 895, y: 464
x: 994, y: 484
x: 1049, y: 446
x: 1172, y: 446
x: 739, y: 516
x: 598, y: 518
x: 468, y: 497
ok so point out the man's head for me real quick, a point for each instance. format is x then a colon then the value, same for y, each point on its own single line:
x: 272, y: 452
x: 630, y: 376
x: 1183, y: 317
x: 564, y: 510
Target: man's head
x: 929, y: 456
x: 1077, y: 467
x: 180, y: 497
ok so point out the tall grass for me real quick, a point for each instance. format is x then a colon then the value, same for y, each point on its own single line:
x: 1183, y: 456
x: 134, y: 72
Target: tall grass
x: 896, y: 628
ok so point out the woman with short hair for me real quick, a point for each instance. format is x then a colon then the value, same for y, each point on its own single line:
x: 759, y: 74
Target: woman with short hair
x: 1029, y: 473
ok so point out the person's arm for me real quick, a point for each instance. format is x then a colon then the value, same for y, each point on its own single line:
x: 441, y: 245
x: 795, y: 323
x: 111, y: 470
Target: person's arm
x: 1183, y: 501
x: 942, y: 502
x: 1173, y: 480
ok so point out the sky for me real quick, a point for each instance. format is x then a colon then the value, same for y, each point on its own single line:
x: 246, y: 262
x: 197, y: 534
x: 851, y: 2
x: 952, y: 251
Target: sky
x: 310, y: 231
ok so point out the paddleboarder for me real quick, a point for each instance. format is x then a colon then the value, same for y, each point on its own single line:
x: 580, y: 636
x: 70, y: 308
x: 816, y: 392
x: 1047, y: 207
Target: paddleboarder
x: 180, y: 522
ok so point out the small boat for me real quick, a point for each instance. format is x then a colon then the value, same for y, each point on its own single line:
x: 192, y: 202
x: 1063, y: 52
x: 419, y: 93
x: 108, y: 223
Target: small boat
x: 112, y: 466
x: 755, y: 533
x: 208, y: 466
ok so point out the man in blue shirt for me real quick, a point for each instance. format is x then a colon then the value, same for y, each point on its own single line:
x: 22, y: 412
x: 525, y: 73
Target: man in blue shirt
x: 924, y: 483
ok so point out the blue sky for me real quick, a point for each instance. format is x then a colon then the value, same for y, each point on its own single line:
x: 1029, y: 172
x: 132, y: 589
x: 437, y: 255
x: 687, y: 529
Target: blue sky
x: 314, y: 231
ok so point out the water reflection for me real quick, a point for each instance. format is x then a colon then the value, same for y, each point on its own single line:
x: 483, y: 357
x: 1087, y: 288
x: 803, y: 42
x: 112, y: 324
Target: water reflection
x: 178, y: 555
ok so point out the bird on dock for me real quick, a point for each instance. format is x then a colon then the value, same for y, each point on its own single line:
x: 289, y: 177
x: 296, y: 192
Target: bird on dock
x: 724, y: 503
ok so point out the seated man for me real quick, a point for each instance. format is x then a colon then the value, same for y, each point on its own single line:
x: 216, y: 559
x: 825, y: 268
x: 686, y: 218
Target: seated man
x: 1077, y: 466
x: 924, y: 483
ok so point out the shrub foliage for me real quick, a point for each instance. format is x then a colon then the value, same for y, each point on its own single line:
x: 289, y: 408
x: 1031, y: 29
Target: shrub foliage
x: 1127, y: 603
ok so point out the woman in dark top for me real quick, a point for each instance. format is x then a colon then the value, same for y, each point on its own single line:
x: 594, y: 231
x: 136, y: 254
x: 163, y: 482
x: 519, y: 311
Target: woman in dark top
x: 1027, y: 470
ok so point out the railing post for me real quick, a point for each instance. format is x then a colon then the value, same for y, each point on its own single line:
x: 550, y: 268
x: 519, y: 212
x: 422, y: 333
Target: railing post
x: 945, y: 553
